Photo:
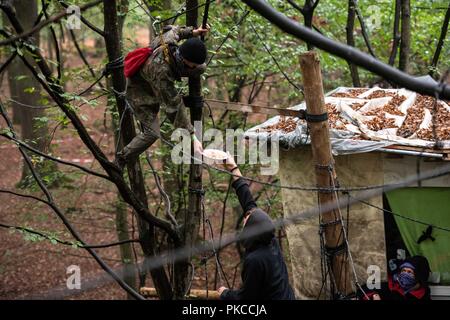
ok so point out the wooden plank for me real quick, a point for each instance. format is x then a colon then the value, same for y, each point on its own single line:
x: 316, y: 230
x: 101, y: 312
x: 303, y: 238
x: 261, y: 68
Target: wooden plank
x: 194, y: 294
x: 251, y: 108
x: 418, y: 149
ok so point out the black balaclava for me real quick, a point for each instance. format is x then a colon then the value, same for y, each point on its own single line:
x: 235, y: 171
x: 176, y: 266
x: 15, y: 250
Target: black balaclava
x: 258, y: 220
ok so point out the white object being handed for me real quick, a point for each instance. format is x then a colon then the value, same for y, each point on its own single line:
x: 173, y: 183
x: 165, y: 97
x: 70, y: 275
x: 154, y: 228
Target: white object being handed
x: 214, y: 155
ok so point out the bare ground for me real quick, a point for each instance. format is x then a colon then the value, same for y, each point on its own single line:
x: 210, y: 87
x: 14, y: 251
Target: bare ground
x: 38, y: 269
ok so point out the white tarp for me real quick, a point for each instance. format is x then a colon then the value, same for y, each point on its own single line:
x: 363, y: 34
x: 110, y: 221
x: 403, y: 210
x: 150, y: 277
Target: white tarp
x: 354, y: 135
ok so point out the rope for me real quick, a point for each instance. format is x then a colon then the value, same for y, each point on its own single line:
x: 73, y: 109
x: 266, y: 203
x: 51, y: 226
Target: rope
x: 207, y: 223
x: 273, y: 185
x: 109, y: 67
x: 163, y: 193
x: 401, y: 216
x: 129, y: 108
x: 204, y: 259
x: 352, y: 264
x: 218, y: 262
x: 327, y: 253
x: 271, y: 55
x: 228, y: 35
x: 184, y: 11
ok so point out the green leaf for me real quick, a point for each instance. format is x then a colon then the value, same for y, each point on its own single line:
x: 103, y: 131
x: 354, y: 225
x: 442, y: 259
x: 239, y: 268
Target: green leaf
x: 19, y: 51
x: 29, y: 90
x: 22, y: 77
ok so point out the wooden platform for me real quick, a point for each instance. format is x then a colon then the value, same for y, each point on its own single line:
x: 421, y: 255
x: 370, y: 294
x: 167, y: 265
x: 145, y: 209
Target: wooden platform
x: 444, y: 152
x: 195, y: 294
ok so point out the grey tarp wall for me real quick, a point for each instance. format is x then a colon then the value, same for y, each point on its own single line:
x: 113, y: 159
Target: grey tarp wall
x: 366, y: 228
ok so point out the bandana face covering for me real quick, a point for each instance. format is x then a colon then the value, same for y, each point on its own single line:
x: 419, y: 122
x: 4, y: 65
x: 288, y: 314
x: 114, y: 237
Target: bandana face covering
x: 406, y: 281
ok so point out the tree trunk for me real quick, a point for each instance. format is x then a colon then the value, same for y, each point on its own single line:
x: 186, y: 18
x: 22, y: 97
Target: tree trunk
x: 13, y: 71
x: 191, y: 220
x: 146, y: 231
x: 126, y: 251
x: 50, y: 48
x: 126, y: 254
x: 405, y: 44
x: 351, y: 41
x: 440, y: 44
x: 396, y: 34
x: 27, y: 92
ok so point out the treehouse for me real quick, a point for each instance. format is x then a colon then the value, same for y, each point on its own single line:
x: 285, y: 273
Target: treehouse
x: 379, y: 137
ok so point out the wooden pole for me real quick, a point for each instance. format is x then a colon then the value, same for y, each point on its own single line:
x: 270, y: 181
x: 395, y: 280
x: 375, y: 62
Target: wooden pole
x: 324, y: 168
x: 191, y: 220
x: 195, y: 294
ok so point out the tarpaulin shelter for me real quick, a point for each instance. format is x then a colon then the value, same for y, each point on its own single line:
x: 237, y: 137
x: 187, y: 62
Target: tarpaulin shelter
x: 378, y: 136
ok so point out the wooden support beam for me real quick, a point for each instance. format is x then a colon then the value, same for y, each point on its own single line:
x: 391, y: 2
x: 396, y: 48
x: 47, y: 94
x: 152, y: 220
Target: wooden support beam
x: 325, y: 171
x: 195, y: 294
x: 251, y: 108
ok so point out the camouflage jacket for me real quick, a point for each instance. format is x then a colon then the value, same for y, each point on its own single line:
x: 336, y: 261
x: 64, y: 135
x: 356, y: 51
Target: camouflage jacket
x: 160, y: 78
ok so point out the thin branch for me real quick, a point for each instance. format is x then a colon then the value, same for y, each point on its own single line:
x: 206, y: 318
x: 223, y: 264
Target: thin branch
x: 68, y: 163
x: 440, y: 44
x: 405, y: 43
x: 61, y: 215
x: 303, y: 12
x: 7, y: 62
x: 315, y: 5
x: 55, y: 18
x: 164, y: 195
x: 86, y: 22
x: 351, y: 41
x: 115, y: 176
x: 296, y: 6
x: 55, y: 91
x: 67, y: 243
x: 25, y: 196
x: 80, y: 52
x: 396, y: 33
x: 364, y: 29
x: 55, y: 40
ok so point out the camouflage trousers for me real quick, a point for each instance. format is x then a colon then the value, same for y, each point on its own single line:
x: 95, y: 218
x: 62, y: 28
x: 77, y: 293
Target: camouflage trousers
x: 145, y: 108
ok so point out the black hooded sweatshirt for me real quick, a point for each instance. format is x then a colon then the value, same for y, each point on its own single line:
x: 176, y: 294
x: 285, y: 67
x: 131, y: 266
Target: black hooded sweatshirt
x: 264, y: 273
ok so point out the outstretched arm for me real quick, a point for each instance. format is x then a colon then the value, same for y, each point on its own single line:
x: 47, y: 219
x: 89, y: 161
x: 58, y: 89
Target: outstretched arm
x: 240, y: 185
x: 189, y: 32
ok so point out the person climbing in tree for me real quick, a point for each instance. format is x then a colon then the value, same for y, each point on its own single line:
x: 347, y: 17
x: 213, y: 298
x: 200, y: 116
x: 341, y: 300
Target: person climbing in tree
x: 151, y: 74
x: 409, y: 281
x: 264, y: 272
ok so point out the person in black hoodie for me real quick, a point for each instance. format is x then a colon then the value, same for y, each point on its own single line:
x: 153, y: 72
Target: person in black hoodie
x: 264, y: 273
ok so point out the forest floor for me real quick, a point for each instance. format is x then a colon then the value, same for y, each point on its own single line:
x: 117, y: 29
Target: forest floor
x: 37, y: 269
